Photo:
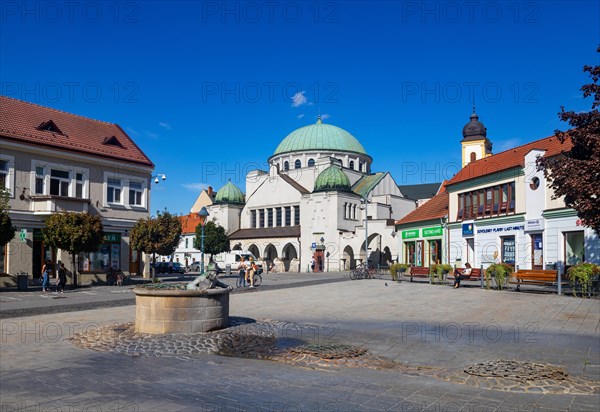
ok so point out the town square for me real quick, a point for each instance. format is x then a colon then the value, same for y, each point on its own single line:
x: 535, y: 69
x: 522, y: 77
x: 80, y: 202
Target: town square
x: 303, y: 206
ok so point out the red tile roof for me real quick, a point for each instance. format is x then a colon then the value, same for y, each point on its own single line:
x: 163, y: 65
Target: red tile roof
x: 509, y: 159
x: 20, y: 121
x: 434, y: 208
x: 189, y: 223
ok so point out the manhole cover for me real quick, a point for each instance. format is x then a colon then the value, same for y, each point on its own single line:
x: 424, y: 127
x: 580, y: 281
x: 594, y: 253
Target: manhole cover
x: 329, y: 351
x: 518, y: 371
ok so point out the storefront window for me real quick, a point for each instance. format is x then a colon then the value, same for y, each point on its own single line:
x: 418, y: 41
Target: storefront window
x: 574, y: 248
x: 508, y: 250
x: 409, y: 257
x: 106, y: 258
x: 435, y: 247
x: 419, y: 254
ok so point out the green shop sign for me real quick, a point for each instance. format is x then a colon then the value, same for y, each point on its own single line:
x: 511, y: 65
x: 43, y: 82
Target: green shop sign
x: 112, y: 238
x: 410, y: 234
x: 433, y: 231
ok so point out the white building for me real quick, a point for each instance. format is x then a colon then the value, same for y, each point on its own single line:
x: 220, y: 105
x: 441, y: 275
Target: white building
x: 312, y: 203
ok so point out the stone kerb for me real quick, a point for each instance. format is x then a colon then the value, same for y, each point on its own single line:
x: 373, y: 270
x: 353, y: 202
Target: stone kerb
x: 181, y: 311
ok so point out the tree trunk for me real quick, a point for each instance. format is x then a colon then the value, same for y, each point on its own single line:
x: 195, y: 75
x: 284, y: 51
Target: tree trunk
x: 153, y: 268
x: 74, y: 270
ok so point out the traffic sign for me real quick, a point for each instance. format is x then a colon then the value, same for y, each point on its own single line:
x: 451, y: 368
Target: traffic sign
x: 313, y: 245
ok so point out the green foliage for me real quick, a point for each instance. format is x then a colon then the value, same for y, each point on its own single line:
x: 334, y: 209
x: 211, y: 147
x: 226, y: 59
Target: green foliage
x: 582, y: 277
x: 500, y: 272
x: 215, y: 239
x: 7, y: 230
x: 437, y: 272
x: 396, y: 268
x: 74, y: 232
x: 159, y: 234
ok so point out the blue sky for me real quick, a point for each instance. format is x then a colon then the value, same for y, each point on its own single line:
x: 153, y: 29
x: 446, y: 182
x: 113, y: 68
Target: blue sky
x: 209, y: 89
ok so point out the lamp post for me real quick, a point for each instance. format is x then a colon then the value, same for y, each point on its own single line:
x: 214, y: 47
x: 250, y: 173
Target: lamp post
x: 393, y: 241
x: 364, y: 202
x: 203, y: 213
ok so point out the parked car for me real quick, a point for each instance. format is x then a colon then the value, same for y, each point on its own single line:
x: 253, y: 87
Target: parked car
x: 165, y: 267
x: 193, y: 267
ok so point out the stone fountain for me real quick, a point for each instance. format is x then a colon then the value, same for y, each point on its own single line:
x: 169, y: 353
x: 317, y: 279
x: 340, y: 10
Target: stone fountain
x: 200, y: 306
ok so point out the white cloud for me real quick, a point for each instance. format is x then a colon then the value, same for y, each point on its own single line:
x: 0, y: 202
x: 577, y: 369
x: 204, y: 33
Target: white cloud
x: 504, y: 145
x: 195, y: 187
x: 299, y: 99
x: 325, y: 116
x: 152, y: 135
x: 300, y: 116
x: 164, y: 125
x: 132, y: 132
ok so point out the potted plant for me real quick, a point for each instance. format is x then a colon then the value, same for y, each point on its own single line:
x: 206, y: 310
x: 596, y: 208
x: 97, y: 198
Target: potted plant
x: 582, y: 277
x: 398, y: 268
x: 500, y: 272
x: 439, y: 272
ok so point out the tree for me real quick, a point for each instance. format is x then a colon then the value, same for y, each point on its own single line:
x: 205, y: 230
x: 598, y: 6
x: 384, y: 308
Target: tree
x: 160, y: 234
x: 7, y: 231
x: 575, y: 174
x: 75, y: 233
x: 215, y: 239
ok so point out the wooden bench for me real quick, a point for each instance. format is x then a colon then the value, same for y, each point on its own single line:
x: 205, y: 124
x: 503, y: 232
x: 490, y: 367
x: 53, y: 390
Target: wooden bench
x: 418, y: 272
x: 536, y: 277
x: 475, y: 276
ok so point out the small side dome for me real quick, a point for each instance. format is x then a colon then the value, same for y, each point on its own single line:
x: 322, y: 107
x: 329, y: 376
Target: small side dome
x: 332, y: 179
x: 229, y: 193
x: 474, y: 130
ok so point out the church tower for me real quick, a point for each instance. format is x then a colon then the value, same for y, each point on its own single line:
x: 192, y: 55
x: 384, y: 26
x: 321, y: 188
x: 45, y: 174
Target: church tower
x: 475, y: 144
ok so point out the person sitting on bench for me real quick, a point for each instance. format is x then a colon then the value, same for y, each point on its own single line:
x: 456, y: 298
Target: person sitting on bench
x: 460, y: 274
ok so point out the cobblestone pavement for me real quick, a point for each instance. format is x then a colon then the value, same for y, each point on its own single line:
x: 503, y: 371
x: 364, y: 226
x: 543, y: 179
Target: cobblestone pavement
x: 420, y: 340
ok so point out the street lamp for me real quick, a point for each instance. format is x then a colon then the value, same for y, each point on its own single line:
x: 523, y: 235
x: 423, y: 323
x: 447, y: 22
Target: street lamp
x: 364, y: 202
x: 203, y: 213
x: 161, y: 175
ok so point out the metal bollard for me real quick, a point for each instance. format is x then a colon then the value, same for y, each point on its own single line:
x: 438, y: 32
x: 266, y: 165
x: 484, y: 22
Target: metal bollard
x: 559, y: 272
x: 481, y: 275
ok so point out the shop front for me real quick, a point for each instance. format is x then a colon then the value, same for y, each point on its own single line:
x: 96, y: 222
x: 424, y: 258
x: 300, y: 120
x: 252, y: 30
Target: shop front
x: 423, y: 246
x: 105, y: 259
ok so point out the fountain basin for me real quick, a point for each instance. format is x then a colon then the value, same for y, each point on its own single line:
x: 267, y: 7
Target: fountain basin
x: 159, y: 311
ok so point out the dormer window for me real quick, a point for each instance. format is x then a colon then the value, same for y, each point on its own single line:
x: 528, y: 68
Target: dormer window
x: 112, y: 141
x: 49, y: 126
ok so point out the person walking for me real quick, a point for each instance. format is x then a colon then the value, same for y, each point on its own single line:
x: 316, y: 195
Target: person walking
x: 46, y: 272
x: 242, y: 272
x: 62, y: 278
x: 250, y: 273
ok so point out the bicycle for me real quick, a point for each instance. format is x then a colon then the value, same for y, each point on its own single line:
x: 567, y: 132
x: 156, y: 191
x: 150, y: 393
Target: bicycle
x: 256, y: 280
x: 362, y: 272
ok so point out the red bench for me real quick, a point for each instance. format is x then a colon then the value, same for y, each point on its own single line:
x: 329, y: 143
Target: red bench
x: 475, y: 276
x: 418, y: 272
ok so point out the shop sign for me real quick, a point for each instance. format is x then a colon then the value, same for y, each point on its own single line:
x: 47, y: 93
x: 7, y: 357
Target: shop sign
x: 534, y: 224
x: 501, y: 229
x: 410, y: 234
x: 23, y: 235
x: 112, y: 238
x: 433, y: 231
x: 467, y: 229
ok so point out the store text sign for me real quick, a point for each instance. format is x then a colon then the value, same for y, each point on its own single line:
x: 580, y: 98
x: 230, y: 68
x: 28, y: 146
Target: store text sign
x: 410, y: 234
x: 501, y: 229
x: 433, y: 231
x: 534, y: 224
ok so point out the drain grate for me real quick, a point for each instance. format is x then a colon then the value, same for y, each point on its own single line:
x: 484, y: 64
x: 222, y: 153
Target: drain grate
x: 517, y: 371
x: 329, y: 351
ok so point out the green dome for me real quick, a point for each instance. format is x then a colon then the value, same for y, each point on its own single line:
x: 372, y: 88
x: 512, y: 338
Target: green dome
x: 332, y: 179
x: 319, y: 136
x: 229, y: 194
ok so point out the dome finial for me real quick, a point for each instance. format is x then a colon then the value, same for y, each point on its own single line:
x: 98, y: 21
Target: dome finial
x: 319, y: 121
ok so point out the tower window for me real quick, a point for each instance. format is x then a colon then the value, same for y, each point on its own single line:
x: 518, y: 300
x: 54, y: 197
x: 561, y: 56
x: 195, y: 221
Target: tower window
x: 297, y: 164
x: 311, y: 162
x: 351, y: 164
x: 473, y: 156
x: 286, y: 165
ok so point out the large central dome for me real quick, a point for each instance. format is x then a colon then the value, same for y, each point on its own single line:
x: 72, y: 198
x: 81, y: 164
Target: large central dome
x: 317, y: 137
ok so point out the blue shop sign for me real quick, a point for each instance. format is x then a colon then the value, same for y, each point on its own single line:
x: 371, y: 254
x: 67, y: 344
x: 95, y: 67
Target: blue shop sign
x: 467, y: 229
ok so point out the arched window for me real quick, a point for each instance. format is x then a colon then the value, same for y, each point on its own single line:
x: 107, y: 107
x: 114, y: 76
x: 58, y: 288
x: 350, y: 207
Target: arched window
x: 311, y: 162
x: 352, y: 164
x: 286, y: 165
x: 297, y: 164
x: 473, y: 156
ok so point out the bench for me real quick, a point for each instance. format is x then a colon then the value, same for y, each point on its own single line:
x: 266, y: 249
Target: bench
x: 418, y: 272
x: 475, y: 276
x: 536, y: 277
